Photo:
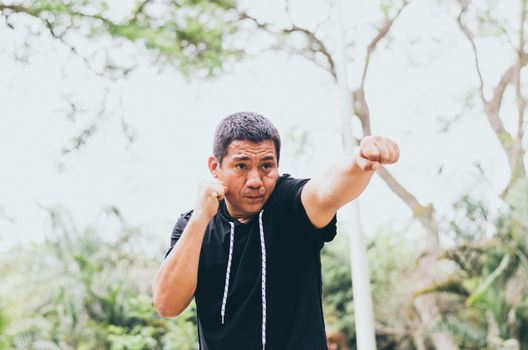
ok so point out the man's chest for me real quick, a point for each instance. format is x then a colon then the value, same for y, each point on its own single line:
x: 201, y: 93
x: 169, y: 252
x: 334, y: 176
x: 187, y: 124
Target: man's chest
x: 282, y: 255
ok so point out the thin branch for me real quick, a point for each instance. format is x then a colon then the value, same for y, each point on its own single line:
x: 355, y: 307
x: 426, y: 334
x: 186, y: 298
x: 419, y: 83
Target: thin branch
x: 521, y: 101
x: 73, y: 49
x: 128, y: 130
x: 6, y: 216
x: 361, y: 110
x: 16, y: 9
x: 471, y: 40
x: 140, y: 9
x: 424, y: 213
x: 360, y: 105
x: 382, y: 32
x: 288, y: 12
x: 492, y: 106
x: 502, y: 29
x: 8, y: 9
x: 517, y: 152
x: 316, y: 44
x: 6, y: 19
x: 80, y: 140
x: 36, y: 13
x: 400, y: 191
x: 511, y: 146
x: 318, y: 25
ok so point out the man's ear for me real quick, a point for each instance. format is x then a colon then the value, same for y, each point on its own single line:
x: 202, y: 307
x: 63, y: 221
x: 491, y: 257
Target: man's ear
x: 213, y: 165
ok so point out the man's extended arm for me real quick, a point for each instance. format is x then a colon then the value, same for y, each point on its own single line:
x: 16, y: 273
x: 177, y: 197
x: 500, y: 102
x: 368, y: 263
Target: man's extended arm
x: 343, y: 182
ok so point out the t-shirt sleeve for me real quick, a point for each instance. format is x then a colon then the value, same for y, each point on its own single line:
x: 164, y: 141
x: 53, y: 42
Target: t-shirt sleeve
x: 289, y: 197
x: 177, y: 231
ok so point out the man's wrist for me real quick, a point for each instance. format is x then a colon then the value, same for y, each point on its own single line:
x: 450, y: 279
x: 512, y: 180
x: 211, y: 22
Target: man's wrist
x: 199, y: 219
x: 357, y: 169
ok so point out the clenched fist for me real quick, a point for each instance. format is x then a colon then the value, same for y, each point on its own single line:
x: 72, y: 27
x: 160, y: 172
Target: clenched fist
x: 210, y: 193
x: 376, y: 150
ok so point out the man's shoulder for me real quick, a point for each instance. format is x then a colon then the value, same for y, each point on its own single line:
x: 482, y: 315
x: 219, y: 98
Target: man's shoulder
x: 184, y: 219
x: 286, y: 181
x: 284, y: 177
x: 287, y: 189
x: 187, y: 214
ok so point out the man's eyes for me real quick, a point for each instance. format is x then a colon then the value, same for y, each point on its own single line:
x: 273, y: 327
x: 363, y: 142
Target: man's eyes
x: 265, y: 166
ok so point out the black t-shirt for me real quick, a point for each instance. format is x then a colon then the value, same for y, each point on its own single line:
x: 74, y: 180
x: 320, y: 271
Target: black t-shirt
x: 294, y: 312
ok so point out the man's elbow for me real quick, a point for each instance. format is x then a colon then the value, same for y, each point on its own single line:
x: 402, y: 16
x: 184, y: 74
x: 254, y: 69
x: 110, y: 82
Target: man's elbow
x: 166, y: 310
x: 170, y: 306
x: 167, y: 313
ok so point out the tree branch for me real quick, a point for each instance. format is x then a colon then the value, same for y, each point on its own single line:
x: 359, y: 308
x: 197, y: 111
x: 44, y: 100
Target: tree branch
x: 16, y: 9
x: 6, y: 216
x: 521, y: 101
x: 50, y: 26
x: 316, y: 44
x: 492, y: 107
x: 382, y: 32
x: 360, y: 105
x: 470, y: 38
x: 424, y: 213
x: 140, y: 9
x: 512, y: 147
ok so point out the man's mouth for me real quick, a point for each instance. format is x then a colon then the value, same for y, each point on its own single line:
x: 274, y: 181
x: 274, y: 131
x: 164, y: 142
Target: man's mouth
x: 255, y: 198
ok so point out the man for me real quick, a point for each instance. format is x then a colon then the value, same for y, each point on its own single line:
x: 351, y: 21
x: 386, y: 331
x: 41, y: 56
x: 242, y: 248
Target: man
x: 249, y: 252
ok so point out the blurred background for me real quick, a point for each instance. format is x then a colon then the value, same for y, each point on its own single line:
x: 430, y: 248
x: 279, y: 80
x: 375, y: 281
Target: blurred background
x: 107, y: 113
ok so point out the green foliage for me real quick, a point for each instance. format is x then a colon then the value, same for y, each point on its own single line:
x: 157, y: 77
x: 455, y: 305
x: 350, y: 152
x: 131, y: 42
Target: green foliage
x: 337, y: 291
x: 489, y: 289
x: 449, y: 286
x: 468, y: 334
x: 391, y: 259
x: 79, y: 291
x: 4, y: 324
x: 471, y: 220
x: 191, y: 35
x: 518, y: 200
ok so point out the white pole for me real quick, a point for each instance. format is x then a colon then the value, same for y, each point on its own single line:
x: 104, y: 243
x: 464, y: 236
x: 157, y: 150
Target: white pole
x: 364, y: 314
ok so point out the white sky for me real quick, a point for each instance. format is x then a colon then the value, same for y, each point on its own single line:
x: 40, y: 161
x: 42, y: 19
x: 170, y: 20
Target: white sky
x: 422, y: 75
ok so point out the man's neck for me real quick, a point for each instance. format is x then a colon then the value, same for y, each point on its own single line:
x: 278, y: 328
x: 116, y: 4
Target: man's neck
x: 244, y: 219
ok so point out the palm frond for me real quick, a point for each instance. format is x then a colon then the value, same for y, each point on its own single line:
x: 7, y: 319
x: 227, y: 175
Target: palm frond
x: 453, y: 286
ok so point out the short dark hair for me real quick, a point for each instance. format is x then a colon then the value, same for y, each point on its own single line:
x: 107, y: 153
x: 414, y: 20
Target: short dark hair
x: 244, y: 126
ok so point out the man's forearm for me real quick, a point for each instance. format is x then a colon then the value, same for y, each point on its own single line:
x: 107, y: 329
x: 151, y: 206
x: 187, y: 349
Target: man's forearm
x: 341, y: 184
x: 175, y: 282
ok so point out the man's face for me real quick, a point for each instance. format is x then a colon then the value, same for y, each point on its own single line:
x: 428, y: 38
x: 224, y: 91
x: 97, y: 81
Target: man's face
x: 249, y: 171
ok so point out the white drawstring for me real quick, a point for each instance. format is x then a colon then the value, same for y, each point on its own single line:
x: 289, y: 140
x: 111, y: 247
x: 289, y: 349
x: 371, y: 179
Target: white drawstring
x: 263, y: 252
x: 228, y: 273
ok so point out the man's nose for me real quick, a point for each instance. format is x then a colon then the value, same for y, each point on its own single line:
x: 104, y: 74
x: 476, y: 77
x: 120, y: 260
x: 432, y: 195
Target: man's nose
x: 254, y: 181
